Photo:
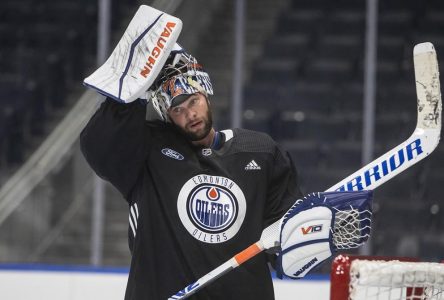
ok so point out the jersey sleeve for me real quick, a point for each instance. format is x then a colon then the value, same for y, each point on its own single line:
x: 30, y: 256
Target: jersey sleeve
x: 115, y: 143
x: 283, y: 188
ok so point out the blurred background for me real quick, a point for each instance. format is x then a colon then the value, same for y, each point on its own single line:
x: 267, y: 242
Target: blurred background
x: 299, y: 70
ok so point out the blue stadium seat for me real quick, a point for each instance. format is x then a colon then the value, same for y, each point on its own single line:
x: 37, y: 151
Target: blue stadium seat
x: 300, y: 21
x: 293, y: 46
x: 305, y: 154
x: 433, y: 183
x: 344, y: 22
x: 394, y: 215
x: 318, y: 180
x: 391, y: 48
x: 55, y: 81
x: 396, y: 5
x: 340, y: 46
x: 342, y: 154
x: 43, y: 47
x: 276, y: 71
x: 347, y: 98
x: 258, y: 119
x: 328, y: 70
x: 307, y: 97
x: 14, y: 114
x: 302, y: 127
x: 396, y: 98
x: 395, y: 23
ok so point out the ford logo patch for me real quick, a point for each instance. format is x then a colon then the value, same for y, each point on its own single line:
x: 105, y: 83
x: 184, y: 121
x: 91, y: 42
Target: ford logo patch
x: 171, y: 153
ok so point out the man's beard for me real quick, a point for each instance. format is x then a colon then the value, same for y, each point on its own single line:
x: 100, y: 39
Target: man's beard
x: 197, y: 136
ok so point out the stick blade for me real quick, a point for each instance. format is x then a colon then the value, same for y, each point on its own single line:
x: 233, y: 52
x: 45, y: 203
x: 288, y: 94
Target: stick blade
x: 428, y: 88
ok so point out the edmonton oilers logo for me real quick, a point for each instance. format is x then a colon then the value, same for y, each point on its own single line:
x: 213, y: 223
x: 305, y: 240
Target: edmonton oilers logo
x: 212, y: 208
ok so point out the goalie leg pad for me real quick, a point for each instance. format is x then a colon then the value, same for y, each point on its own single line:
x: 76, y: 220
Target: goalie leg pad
x: 306, y: 241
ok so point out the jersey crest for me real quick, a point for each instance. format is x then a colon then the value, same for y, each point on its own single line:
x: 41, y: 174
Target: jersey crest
x: 212, y: 208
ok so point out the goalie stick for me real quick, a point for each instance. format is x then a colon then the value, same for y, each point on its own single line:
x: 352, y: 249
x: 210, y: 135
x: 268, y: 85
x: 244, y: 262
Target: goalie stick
x: 419, y: 145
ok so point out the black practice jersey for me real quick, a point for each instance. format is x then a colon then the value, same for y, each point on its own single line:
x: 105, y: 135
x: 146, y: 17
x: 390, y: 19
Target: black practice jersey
x: 191, y: 208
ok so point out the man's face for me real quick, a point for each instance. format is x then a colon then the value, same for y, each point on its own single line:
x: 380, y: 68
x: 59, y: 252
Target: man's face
x: 193, y: 117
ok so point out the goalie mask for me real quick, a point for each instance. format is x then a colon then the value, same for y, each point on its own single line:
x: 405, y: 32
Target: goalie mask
x: 180, y: 77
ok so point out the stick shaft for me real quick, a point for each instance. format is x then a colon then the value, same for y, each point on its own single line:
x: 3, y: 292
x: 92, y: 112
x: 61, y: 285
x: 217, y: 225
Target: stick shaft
x: 227, y: 266
x: 390, y: 164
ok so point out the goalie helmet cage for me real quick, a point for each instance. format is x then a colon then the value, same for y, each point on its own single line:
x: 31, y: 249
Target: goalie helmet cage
x: 382, y: 277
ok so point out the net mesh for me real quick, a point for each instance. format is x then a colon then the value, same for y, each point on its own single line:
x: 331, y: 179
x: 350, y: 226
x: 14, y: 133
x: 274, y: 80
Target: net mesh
x: 351, y: 227
x: 396, y: 280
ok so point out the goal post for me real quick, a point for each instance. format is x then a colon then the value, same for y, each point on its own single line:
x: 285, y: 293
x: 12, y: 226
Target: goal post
x: 383, y: 278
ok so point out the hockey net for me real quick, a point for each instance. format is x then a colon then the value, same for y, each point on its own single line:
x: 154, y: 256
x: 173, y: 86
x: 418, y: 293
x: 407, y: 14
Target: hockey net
x: 383, y: 278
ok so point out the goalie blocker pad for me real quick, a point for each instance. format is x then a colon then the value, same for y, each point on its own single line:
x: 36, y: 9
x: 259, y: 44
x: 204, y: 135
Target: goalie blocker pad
x: 138, y: 57
x: 307, y: 232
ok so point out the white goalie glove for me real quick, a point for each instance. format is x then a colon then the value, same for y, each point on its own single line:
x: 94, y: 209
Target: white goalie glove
x: 138, y: 57
x: 318, y: 225
x: 148, y: 64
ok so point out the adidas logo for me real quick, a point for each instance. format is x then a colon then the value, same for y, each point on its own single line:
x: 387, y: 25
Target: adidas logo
x: 252, y: 165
